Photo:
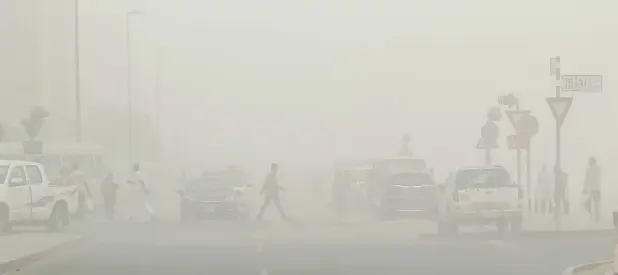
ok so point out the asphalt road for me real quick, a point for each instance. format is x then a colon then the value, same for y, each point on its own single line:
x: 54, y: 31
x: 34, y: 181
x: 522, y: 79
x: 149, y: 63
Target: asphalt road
x: 325, y: 249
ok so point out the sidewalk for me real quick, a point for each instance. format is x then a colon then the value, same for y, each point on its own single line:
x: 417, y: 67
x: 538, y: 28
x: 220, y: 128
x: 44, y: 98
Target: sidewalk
x: 569, y: 223
x: 601, y: 268
x: 22, y: 247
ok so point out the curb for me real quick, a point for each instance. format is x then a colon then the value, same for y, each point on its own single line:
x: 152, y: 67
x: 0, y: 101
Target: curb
x: 21, y: 262
x: 531, y: 234
x: 584, y: 267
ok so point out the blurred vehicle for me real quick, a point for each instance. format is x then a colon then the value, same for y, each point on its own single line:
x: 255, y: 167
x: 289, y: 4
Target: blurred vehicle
x: 402, y: 187
x: 213, y: 197
x: 28, y: 198
x: 55, y: 156
x: 411, y: 195
x: 480, y: 195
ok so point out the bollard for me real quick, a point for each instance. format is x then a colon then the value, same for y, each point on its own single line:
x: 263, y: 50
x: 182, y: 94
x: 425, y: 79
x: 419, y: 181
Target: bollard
x: 615, y: 218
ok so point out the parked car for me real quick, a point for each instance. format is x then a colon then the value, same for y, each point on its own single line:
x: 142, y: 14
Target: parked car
x: 480, y: 195
x: 28, y: 198
x: 409, y: 195
x: 212, y: 197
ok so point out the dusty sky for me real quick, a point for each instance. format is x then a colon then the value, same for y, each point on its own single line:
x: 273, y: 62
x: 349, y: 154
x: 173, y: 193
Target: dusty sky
x: 303, y: 82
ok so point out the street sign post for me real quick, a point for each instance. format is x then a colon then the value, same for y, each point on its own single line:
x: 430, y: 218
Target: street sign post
x: 508, y: 100
x: 526, y: 126
x: 517, y: 119
x: 518, y: 142
x: 582, y: 83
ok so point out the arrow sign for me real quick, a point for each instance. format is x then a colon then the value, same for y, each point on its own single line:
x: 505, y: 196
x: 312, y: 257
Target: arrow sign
x: 560, y: 107
x: 509, y: 100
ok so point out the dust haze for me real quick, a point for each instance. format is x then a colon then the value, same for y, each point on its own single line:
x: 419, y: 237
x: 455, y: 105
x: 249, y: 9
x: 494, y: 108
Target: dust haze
x: 308, y: 85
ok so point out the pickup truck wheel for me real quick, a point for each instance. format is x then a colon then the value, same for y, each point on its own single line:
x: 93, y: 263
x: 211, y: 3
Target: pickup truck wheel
x: 59, y: 218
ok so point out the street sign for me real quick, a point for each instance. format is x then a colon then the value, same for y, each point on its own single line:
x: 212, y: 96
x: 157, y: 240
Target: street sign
x: 484, y: 144
x: 582, y: 83
x: 509, y: 100
x: 489, y: 136
x: 560, y: 107
x: 516, y: 117
x: 523, y: 123
x: 529, y: 126
x: 516, y: 142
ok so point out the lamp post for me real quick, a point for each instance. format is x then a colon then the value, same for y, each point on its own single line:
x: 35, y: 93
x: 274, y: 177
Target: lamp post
x: 128, y: 17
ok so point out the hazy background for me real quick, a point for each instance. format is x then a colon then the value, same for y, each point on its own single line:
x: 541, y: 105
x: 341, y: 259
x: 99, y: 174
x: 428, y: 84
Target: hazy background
x: 304, y: 82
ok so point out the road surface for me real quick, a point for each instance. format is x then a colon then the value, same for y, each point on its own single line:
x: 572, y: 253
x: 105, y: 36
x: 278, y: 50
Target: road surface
x: 325, y: 249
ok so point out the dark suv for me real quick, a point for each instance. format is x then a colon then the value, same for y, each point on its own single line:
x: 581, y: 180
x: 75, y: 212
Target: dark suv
x: 212, y: 198
x: 408, y: 195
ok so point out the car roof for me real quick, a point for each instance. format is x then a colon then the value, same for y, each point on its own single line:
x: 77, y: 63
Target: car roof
x: 17, y: 162
x: 402, y: 158
x: 481, y: 167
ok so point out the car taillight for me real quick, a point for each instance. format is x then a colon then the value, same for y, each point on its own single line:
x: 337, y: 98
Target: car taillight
x: 455, y: 195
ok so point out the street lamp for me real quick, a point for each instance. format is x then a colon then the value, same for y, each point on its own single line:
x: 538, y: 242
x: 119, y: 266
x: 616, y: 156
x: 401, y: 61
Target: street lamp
x: 128, y: 17
x: 78, y: 100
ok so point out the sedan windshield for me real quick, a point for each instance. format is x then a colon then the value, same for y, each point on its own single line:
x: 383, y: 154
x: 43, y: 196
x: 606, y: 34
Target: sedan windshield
x: 208, y: 184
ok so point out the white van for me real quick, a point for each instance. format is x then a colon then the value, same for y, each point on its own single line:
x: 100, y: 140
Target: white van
x: 479, y: 195
x: 27, y: 198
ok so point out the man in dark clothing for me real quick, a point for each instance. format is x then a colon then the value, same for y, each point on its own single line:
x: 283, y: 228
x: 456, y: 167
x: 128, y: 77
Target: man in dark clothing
x: 561, y: 191
x: 270, y: 190
x: 109, y: 189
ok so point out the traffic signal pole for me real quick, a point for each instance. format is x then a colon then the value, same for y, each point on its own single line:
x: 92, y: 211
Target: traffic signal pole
x: 558, y: 162
x: 518, y: 153
x: 558, y: 170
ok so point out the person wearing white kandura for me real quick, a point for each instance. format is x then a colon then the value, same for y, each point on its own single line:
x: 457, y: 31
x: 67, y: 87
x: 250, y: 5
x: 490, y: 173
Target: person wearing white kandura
x: 141, y: 195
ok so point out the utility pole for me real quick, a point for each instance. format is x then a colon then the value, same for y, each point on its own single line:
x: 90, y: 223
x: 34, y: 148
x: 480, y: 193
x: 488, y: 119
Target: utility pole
x: 558, y: 122
x: 78, y: 97
x: 129, y: 83
x: 518, y: 152
x: 158, y: 89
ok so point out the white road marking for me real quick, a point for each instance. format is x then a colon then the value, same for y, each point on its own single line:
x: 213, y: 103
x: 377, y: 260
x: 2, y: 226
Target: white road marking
x: 503, y: 244
x: 259, y: 246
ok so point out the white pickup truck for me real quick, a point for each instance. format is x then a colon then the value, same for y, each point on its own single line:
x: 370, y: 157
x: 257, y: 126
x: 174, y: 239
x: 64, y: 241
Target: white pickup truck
x: 479, y: 195
x: 28, y: 198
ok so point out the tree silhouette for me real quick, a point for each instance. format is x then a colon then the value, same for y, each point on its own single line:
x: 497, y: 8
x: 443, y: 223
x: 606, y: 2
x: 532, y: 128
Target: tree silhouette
x: 35, y: 121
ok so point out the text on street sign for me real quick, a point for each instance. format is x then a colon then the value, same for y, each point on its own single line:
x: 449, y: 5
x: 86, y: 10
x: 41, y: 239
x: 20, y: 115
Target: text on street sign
x: 582, y: 83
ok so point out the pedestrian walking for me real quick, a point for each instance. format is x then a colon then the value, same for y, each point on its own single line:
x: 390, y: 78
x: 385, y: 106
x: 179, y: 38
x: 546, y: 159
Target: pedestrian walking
x: 141, y: 195
x: 592, y: 188
x: 543, y: 192
x: 271, y: 190
x: 109, y: 192
x: 561, y: 194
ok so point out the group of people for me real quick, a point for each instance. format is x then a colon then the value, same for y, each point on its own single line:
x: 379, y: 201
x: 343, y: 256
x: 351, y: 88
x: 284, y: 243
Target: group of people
x: 559, y: 202
x: 138, y: 202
